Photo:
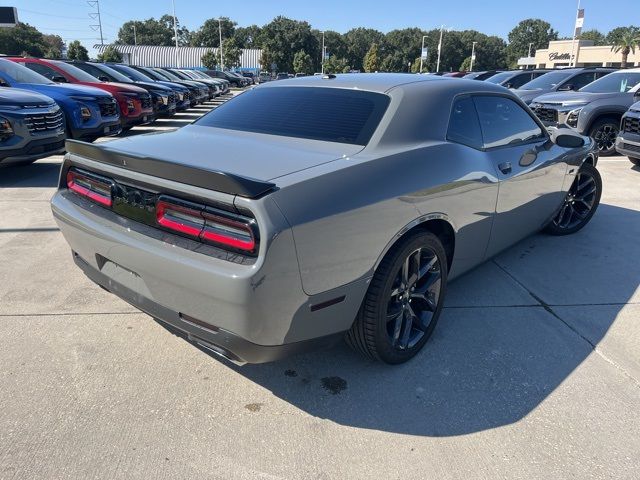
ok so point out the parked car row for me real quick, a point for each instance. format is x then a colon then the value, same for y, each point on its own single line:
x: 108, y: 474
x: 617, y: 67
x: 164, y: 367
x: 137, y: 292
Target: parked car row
x: 603, y: 103
x: 43, y: 102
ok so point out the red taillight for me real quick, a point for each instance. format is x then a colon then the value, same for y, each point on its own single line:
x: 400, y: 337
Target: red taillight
x: 93, y: 187
x: 181, y: 218
x: 206, y: 224
x: 233, y: 233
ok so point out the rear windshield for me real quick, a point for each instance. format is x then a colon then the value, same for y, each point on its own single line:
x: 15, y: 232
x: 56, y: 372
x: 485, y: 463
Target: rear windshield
x: 316, y: 113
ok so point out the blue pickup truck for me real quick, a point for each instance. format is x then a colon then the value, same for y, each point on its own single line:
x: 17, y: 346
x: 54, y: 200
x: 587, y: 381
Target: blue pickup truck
x: 31, y: 127
x: 89, y: 112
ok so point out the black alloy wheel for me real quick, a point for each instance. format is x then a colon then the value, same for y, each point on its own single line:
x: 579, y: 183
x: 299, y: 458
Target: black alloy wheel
x: 414, y: 298
x: 404, y: 300
x: 580, y: 203
x: 604, y: 133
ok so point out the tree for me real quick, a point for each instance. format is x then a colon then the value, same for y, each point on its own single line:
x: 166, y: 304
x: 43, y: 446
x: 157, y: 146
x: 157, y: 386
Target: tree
x: 23, y: 38
x: 210, y: 59
x: 626, y: 44
x: 371, y: 59
x: 208, y: 35
x: 358, y: 42
x: 76, y: 51
x: 282, y: 38
x: 231, y: 53
x: 302, y: 62
x: 394, y: 62
x: 55, y: 45
x: 110, y: 54
x: 615, y: 35
x: 248, y: 37
x: 152, y: 32
x: 595, y: 35
x: 336, y: 65
x: 490, y: 51
x: 403, y: 46
x: 532, y: 30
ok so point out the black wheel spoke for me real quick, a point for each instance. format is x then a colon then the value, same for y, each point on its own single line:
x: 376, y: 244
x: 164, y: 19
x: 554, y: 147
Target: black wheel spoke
x: 413, y: 299
x: 397, y: 327
x: 407, y: 327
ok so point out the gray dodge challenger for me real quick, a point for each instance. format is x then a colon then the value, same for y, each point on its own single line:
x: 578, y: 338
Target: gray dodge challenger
x: 320, y: 208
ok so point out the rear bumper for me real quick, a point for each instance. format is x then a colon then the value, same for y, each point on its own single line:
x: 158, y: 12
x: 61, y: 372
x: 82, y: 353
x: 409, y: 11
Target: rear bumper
x: 215, y: 340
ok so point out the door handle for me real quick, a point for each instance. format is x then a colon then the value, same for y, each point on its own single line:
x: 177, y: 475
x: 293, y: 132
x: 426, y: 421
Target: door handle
x: 505, y: 167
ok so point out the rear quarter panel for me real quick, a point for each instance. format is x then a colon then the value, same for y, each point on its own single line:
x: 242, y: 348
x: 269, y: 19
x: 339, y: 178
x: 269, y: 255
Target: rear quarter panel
x: 344, y: 219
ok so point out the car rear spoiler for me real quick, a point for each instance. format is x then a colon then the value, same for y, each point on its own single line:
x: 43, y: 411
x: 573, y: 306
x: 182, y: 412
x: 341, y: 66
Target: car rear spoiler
x: 198, y: 177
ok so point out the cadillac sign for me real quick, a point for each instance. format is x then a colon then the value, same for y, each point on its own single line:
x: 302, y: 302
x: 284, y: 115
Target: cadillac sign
x: 560, y: 56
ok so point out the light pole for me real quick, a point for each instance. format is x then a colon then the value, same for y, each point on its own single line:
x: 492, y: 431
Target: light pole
x: 135, y: 37
x: 473, y: 55
x: 422, y: 52
x: 440, y: 47
x: 175, y: 30
x: 220, y: 46
x: 323, y: 55
x: 529, y: 55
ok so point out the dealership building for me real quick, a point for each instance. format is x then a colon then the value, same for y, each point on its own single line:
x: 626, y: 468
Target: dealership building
x: 559, y: 54
x: 182, y: 57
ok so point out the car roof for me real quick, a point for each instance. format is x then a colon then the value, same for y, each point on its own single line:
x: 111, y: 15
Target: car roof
x: 382, y: 82
x: 633, y: 70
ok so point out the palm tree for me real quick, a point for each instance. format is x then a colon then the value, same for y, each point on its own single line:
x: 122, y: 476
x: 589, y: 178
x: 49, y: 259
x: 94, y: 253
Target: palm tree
x: 626, y: 45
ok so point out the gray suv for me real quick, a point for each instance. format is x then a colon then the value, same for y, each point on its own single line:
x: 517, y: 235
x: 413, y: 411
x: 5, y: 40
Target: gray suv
x: 594, y: 110
x: 31, y: 127
x: 566, y: 80
x: 628, y: 141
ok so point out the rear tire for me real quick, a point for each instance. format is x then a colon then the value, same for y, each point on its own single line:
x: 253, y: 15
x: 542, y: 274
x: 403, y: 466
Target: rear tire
x: 604, y: 133
x: 404, y: 301
x: 580, y: 203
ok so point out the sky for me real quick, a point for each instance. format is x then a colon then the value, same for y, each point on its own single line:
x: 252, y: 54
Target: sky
x: 70, y: 18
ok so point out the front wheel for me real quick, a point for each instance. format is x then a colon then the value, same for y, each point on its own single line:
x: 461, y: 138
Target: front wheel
x: 580, y: 204
x: 404, y: 300
x: 604, y: 133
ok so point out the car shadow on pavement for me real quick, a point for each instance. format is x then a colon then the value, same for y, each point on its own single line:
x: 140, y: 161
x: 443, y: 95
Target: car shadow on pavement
x: 38, y: 174
x: 487, y: 365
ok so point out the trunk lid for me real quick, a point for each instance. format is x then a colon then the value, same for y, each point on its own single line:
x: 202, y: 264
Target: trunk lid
x: 251, y: 155
x: 228, y: 161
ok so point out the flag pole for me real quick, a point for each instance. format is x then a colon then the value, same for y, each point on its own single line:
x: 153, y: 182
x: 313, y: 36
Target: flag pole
x: 572, y: 61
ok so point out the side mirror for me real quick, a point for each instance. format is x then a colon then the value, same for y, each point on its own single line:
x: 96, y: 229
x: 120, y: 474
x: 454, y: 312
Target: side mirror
x: 102, y: 78
x: 59, y: 79
x: 567, y: 88
x: 566, y: 138
x: 508, y: 85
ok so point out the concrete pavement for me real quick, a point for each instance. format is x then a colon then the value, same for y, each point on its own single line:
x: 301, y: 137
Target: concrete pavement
x: 533, y: 371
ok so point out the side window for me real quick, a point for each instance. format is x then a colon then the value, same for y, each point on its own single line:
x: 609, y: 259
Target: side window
x: 464, y: 126
x: 520, y: 80
x: 42, y: 70
x: 582, y: 80
x: 90, y: 69
x: 504, y: 122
